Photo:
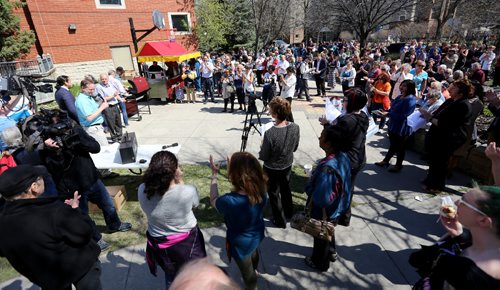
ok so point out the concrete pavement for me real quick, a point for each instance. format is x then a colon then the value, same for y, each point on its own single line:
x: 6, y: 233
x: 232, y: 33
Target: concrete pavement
x: 388, y: 222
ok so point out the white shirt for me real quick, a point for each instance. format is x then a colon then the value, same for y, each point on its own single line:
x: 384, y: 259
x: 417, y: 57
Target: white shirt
x: 282, y: 66
x: 247, y: 84
x: 107, y: 91
x: 207, y: 69
x: 304, y: 70
x: 258, y: 63
x: 486, y: 60
x: 288, y: 89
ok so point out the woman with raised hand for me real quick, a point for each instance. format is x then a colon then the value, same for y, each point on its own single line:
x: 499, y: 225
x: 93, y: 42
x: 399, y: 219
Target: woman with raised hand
x: 173, y: 235
x: 243, y: 211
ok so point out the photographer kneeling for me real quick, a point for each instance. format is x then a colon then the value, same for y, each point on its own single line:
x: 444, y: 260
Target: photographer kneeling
x: 45, y: 240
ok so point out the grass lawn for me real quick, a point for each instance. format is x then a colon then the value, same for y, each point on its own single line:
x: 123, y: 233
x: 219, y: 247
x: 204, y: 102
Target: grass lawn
x: 198, y: 175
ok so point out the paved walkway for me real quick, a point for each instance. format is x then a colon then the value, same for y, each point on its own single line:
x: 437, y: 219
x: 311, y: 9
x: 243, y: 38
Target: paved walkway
x: 388, y: 222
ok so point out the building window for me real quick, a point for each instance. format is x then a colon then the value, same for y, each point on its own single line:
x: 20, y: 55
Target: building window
x: 110, y: 4
x: 180, y: 22
x: 402, y: 18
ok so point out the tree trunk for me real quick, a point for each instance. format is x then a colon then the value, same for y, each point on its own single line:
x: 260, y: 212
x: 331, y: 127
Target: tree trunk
x: 439, y: 30
x: 443, y: 16
x: 362, y: 39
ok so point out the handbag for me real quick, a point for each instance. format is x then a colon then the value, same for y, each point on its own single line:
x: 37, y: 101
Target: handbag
x: 321, y: 229
x: 230, y: 88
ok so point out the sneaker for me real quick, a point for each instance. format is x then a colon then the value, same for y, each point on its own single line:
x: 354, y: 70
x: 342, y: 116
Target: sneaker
x: 103, y: 245
x: 124, y: 227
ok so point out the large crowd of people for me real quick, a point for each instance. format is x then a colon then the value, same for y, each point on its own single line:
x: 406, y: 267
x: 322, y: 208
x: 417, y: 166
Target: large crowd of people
x: 53, y: 176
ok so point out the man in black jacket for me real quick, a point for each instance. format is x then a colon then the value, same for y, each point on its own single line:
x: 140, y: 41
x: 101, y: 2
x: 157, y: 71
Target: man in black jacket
x: 73, y: 170
x: 321, y: 67
x: 44, y: 239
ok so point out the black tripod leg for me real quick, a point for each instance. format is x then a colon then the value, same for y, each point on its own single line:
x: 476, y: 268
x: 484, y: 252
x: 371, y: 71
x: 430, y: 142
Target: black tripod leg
x: 244, y: 135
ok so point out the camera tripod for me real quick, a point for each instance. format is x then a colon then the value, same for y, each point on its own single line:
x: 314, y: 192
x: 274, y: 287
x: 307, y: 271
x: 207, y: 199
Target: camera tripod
x: 252, y: 113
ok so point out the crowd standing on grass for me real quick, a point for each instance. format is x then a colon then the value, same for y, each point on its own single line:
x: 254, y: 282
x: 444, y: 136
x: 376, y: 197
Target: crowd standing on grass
x: 441, y: 83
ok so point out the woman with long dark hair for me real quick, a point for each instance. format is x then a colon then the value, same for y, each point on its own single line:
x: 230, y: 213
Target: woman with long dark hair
x: 173, y: 235
x: 447, y: 133
x: 243, y: 211
x: 399, y: 131
x: 65, y: 98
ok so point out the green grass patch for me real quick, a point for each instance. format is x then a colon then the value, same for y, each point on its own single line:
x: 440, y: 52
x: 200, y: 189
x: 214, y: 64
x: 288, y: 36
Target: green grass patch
x: 198, y: 175
x: 75, y: 90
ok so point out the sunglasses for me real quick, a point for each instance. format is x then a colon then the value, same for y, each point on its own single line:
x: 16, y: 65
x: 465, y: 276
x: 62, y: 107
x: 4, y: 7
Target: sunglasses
x: 462, y: 201
x: 421, y: 65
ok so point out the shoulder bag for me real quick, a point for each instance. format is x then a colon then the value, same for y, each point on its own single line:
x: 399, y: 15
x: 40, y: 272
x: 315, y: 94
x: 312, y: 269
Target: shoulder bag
x: 321, y: 229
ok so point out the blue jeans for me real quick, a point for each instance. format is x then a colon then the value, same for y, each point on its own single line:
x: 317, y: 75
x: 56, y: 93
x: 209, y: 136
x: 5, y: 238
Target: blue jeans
x: 123, y: 107
x: 197, y: 84
x: 208, y: 88
x: 98, y: 194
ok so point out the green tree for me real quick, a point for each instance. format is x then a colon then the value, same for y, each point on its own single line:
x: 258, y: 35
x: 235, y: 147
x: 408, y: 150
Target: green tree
x: 241, y: 32
x: 213, y: 24
x: 14, y: 43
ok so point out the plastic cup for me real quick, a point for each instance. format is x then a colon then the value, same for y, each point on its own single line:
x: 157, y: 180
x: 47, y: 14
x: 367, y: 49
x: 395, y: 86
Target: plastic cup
x: 308, y: 169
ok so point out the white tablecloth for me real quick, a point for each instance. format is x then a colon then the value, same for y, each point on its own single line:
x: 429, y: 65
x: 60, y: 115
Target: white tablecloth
x: 109, y: 157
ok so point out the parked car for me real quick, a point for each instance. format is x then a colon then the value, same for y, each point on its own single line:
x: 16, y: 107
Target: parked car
x: 281, y: 45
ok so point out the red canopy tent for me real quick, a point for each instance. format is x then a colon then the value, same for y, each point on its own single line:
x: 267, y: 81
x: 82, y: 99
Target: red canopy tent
x: 164, y: 51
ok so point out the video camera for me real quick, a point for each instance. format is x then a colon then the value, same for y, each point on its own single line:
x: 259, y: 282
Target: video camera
x: 54, y: 124
x: 16, y: 85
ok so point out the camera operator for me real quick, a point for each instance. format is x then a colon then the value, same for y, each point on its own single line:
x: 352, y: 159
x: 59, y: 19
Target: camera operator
x: 66, y: 154
x: 270, y: 88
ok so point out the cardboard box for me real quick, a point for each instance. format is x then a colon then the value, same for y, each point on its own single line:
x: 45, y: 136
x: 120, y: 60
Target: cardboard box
x: 118, y: 195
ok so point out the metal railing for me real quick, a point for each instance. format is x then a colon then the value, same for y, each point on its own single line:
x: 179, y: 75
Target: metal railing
x: 41, y: 67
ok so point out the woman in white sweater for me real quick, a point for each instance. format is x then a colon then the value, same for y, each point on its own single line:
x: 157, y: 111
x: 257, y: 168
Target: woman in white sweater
x: 287, y: 84
x: 173, y: 236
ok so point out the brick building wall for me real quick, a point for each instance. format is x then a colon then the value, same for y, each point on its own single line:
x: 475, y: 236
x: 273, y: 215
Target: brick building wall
x: 97, y: 29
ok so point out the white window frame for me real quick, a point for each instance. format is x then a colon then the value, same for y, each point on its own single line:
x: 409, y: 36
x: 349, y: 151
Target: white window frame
x: 171, y: 23
x: 98, y: 5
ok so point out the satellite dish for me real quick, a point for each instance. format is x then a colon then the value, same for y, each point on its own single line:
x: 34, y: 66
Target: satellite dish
x: 158, y: 19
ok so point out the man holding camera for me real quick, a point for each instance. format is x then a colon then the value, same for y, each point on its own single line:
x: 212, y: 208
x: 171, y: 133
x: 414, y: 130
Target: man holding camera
x: 112, y: 113
x: 207, y: 72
